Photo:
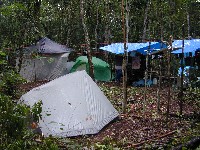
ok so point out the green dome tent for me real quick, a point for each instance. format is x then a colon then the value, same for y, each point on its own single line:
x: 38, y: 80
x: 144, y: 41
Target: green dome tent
x: 102, y: 71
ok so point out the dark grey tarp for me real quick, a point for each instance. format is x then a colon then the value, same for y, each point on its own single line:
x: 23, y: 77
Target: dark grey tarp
x: 52, y: 64
x: 47, y: 46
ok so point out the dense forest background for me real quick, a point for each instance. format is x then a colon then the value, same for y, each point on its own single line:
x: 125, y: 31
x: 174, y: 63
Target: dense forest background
x: 93, y: 23
x: 24, y: 22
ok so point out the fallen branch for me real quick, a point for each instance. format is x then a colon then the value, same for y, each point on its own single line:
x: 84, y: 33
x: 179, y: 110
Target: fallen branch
x: 192, y: 144
x: 149, y: 140
x: 194, y: 116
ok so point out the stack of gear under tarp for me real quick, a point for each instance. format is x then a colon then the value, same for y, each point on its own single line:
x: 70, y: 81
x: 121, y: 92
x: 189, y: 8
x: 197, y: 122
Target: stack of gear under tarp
x: 141, y: 83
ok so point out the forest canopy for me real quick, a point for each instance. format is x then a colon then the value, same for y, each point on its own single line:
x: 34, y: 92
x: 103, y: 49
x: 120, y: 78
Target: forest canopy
x: 24, y: 22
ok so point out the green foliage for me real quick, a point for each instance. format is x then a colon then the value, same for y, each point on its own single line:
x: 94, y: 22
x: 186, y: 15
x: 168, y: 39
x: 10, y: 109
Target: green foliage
x: 193, y: 95
x: 24, y: 22
x: 14, y: 122
x: 9, y: 81
x: 50, y: 144
x: 36, y: 111
x: 15, y: 118
x: 3, y: 62
x: 108, y: 144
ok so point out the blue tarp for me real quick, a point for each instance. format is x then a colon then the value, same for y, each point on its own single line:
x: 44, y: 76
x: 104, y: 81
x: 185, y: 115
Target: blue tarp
x: 152, y: 46
x: 118, y: 48
x: 189, y: 46
x: 185, y: 71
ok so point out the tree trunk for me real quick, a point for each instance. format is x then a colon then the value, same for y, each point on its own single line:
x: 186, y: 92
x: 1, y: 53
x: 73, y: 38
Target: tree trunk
x: 87, y: 39
x: 124, y: 65
x: 169, y: 80
x: 107, y: 30
x: 146, y: 77
x: 159, y: 85
x: 161, y: 22
x: 37, y: 6
x: 182, y: 69
x: 97, y: 24
x: 145, y: 21
x: 188, y: 23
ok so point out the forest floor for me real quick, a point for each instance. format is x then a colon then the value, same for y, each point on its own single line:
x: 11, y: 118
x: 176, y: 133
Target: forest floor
x: 143, y: 126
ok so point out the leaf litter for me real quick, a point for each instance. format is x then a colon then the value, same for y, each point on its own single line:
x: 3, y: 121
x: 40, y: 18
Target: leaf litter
x: 138, y: 129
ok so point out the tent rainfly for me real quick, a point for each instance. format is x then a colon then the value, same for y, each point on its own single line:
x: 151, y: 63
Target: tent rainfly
x: 72, y: 105
x: 47, y: 46
x: 102, y: 71
x: 46, y: 67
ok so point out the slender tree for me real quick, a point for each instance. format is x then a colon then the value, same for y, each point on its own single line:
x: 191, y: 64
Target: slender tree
x: 145, y: 21
x: 87, y: 39
x: 169, y: 75
x: 182, y: 70
x: 159, y: 84
x: 124, y: 65
x: 97, y: 24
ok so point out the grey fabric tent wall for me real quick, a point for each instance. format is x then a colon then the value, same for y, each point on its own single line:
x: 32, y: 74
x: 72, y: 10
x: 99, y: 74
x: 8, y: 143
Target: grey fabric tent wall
x: 44, y: 68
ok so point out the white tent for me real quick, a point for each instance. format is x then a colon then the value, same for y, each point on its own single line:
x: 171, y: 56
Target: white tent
x: 75, y: 103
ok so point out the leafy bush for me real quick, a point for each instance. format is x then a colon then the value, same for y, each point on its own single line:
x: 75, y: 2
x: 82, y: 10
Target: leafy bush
x: 9, y: 81
x: 193, y: 95
x: 16, y: 118
x: 14, y: 122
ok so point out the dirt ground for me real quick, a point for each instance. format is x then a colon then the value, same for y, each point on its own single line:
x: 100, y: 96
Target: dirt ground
x: 143, y: 126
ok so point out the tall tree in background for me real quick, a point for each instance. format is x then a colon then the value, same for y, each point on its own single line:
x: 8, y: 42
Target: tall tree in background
x: 124, y: 65
x: 60, y: 20
x: 87, y: 39
x: 97, y: 25
x: 145, y: 20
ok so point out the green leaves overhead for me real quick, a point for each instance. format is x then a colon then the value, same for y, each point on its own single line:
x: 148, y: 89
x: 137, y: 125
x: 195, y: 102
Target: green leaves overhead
x: 24, y: 22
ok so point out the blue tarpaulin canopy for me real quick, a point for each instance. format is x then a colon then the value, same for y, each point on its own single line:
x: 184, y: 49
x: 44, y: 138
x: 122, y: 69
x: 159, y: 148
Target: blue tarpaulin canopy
x: 189, y: 46
x: 118, y: 48
x: 152, y: 46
